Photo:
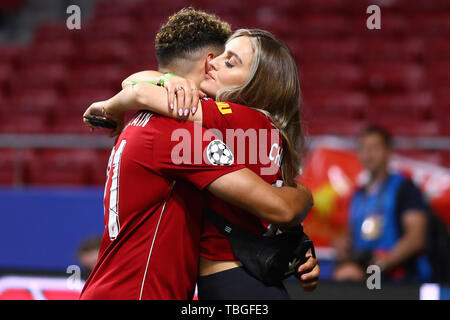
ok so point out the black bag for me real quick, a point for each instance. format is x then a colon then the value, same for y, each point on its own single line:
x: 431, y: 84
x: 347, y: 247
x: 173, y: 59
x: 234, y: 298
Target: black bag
x: 270, y: 259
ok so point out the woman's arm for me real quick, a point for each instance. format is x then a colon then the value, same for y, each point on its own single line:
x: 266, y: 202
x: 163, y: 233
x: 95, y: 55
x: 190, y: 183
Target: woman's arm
x: 285, y: 206
x: 137, y: 97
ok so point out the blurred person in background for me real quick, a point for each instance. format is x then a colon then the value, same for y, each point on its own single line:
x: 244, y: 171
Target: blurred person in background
x: 387, y: 220
x: 87, y: 255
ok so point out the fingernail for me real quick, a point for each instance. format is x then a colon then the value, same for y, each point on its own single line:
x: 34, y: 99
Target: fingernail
x: 304, y: 277
x: 194, y: 109
x: 171, y: 106
x: 180, y: 112
x: 186, y: 112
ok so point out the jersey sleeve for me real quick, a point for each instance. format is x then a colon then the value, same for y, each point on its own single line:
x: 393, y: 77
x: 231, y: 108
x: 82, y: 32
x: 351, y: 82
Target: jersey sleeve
x: 187, y: 151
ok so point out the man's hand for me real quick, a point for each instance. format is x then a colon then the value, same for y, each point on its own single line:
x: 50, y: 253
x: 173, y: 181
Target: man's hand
x: 100, y: 108
x: 308, y: 273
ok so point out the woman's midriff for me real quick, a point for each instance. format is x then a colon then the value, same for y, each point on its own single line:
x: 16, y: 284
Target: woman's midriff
x: 208, y: 267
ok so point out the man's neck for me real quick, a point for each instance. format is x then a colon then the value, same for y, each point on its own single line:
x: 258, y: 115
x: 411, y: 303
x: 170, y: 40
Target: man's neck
x: 376, y: 178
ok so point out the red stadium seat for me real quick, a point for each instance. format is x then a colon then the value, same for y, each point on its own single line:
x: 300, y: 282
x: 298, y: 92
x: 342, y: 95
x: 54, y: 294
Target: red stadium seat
x: 331, y: 76
x: 418, y: 105
x: 61, y: 167
x: 446, y: 158
x: 437, y: 50
x: 436, y: 24
x: 395, y: 76
x: 325, y: 50
x: 322, y: 25
x: 439, y: 76
x: 96, y: 76
x: 98, y: 168
x: 10, y: 52
x: 48, y: 51
x: 53, y: 31
x: 77, y: 100
x: 386, y: 50
x: 323, y: 125
x: 105, y: 51
x: 408, y: 127
x: 34, y: 100
x: 6, y: 72
x: 339, y: 104
x: 38, y: 76
x: 23, y: 123
x: 115, y: 8
x: 109, y: 27
x: 7, y: 166
x: 392, y: 25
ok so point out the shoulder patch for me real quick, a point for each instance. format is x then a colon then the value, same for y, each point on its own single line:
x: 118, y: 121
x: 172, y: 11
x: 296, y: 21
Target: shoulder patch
x: 219, y: 154
x: 224, y: 108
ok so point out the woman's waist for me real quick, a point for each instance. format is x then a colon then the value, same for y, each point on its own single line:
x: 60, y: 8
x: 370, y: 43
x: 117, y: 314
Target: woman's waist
x: 208, y: 266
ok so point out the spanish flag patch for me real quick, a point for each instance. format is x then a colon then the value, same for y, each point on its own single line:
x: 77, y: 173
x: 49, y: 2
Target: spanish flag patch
x: 224, y: 108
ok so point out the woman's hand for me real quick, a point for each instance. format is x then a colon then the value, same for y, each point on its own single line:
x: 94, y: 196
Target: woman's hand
x: 183, y: 96
x: 308, y: 273
x: 101, y: 108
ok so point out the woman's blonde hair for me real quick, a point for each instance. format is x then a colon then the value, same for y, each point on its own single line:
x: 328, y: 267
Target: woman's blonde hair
x: 272, y: 87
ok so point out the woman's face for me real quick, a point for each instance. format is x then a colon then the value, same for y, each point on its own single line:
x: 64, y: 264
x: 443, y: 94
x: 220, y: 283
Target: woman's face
x: 229, y: 69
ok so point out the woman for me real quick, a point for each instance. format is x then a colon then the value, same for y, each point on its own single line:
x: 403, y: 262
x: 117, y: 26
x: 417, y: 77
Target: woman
x: 255, y: 70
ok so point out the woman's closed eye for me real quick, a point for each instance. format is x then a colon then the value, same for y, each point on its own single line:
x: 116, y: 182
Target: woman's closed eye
x: 228, y: 64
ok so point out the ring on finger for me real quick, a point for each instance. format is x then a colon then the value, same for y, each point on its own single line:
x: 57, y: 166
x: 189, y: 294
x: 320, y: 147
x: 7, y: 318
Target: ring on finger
x: 194, y: 89
x: 178, y: 89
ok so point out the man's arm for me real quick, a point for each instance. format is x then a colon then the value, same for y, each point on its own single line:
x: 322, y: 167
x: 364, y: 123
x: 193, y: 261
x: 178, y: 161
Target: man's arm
x: 414, y: 223
x: 285, y: 206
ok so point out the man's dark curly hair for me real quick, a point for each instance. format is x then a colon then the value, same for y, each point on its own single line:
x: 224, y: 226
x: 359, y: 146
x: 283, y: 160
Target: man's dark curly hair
x: 189, y: 30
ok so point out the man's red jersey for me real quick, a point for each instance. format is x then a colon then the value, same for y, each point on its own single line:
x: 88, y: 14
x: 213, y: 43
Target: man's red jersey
x: 150, y: 246
x: 257, y: 144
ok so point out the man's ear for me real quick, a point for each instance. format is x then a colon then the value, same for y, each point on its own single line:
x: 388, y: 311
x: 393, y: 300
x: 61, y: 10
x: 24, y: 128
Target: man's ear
x: 209, y: 57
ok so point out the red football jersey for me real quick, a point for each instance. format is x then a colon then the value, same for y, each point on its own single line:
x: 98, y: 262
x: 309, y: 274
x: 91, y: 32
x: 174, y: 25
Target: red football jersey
x: 257, y: 144
x: 150, y: 246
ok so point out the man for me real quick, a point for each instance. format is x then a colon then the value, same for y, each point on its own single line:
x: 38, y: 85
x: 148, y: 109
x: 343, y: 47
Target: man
x: 150, y: 246
x: 388, y: 219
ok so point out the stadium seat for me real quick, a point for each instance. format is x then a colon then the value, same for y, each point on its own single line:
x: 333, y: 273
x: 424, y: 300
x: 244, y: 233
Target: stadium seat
x: 339, y: 104
x: 77, y: 100
x: 331, y: 76
x: 325, y: 125
x: 47, y: 75
x: 395, y: 76
x: 104, y: 51
x: 6, y: 72
x: 392, y: 25
x: 418, y: 105
x: 99, y: 167
x: 326, y: 50
x: 426, y: 25
x: 59, y: 51
x: 408, y: 127
x: 53, y: 31
x: 10, y: 52
x: 109, y: 27
x: 392, y: 50
x: 95, y: 76
x: 61, y: 167
x: 7, y: 171
x: 34, y: 100
x: 437, y: 50
x: 322, y: 25
x: 29, y: 123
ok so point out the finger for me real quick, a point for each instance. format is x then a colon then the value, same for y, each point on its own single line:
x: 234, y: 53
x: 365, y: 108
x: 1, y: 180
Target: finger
x: 311, y: 286
x: 202, y: 94
x: 308, y: 265
x: 170, y: 95
x: 195, y: 100
x: 180, y: 102
x: 312, y: 275
x: 188, y: 95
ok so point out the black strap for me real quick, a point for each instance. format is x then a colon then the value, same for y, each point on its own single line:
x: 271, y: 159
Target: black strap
x: 225, y: 227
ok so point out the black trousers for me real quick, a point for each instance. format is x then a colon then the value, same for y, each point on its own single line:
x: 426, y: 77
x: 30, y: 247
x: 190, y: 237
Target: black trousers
x: 237, y: 284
